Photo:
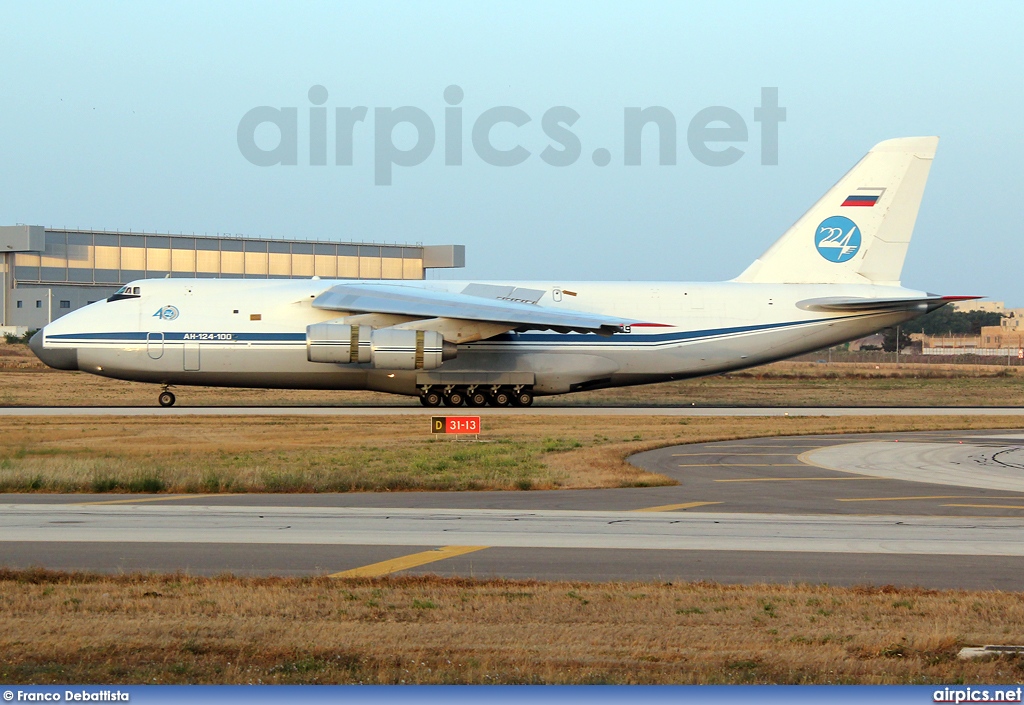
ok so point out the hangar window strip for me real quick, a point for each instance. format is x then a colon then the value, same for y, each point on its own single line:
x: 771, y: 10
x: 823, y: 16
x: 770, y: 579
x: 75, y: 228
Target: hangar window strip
x: 48, y: 267
x: 107, y: 259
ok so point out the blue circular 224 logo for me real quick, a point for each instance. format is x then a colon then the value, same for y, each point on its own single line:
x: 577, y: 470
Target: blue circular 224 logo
x: 837, y: 238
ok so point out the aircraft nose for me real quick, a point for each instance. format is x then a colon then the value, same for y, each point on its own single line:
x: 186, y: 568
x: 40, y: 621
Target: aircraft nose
x: 57, y: 358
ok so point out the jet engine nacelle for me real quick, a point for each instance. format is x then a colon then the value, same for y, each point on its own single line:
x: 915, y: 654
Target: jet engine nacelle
x: 336, y: 342
x: 386, y: 348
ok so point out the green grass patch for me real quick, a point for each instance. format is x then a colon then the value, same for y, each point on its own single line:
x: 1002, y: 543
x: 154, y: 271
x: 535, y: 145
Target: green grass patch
x: 425, y: 464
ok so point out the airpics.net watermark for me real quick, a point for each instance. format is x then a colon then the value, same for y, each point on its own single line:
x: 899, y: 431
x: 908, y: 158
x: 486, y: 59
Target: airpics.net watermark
x: 711, y: 134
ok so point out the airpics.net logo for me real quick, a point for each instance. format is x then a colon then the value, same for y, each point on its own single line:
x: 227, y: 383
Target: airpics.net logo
x: 715, y: 136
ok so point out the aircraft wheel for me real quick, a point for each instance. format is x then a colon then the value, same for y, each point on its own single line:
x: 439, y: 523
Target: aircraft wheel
x: 166, y: 399
x: 455, y: 398
x: 477, y: 398
x: 523, y: 398
x: 430, y: 399
x: 502, y: 397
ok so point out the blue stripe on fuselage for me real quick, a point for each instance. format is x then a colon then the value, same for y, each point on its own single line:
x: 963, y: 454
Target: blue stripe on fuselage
x: 646, y: 338
x: 179, y: 337
x: 538, y: 337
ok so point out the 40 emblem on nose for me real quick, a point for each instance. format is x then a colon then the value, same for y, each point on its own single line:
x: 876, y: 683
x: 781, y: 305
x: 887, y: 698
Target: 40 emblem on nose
x: 166, y: 313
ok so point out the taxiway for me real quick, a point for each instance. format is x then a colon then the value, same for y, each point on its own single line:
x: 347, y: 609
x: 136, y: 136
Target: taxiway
x: 937, y: 509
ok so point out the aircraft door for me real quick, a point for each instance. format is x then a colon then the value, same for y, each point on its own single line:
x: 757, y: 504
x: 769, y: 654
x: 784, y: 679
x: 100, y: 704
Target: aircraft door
x: 155, y: 345
x: 191, y: 356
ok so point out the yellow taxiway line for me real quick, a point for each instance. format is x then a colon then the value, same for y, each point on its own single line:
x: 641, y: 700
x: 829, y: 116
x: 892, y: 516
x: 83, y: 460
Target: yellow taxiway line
x: 414, y: 560
x: 673, y: 507
x: 897, y: 499
x: 777, y: 446
x: 746, y: 465
x: 987, y: 506
x: 731, y: 455
x: 376, y: 570
x: 802, y: 479
x: 146, y: 499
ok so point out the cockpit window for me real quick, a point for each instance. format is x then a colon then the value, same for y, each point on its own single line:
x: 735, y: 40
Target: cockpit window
x: 126, y: 292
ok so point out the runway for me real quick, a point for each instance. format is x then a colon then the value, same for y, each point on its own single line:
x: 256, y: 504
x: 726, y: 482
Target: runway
x: 572, y: 529
x: 699, y: 411
x: 936, y: 509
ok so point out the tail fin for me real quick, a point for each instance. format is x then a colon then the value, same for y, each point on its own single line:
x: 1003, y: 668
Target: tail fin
x: 858, y: 232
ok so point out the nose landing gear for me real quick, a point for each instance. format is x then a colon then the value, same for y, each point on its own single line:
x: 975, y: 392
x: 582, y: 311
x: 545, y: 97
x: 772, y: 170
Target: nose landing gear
x: 166, y: 398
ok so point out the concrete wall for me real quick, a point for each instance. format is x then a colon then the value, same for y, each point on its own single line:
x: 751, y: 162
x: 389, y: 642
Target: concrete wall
x: 34, y: 307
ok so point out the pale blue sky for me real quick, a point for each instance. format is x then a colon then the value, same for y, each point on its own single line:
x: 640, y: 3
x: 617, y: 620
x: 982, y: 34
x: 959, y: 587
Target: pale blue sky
x: 124, y: 116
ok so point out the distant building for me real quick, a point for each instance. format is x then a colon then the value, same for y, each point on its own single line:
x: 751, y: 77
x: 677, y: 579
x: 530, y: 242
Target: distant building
x: 950, y: 344
x: 870, y: 342
x: 48, y: 272
x: 1002, y: 337
x: 975, y: 305
x: 992, y: 341
x: 1013, y: 320
x: 1005, y: 339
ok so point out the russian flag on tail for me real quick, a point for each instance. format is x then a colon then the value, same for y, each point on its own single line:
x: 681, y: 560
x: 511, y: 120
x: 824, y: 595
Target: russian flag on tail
x: 865, y: 197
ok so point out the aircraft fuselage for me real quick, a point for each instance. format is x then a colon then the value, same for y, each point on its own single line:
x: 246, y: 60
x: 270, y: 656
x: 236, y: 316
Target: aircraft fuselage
x: 253, y: 333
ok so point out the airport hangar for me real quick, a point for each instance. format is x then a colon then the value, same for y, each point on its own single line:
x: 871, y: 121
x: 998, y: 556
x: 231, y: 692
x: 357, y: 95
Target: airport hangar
x: 48, y: 272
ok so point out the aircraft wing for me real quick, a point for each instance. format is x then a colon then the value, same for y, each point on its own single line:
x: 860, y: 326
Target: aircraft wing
x: 853, y: 304
x: 425, y: 303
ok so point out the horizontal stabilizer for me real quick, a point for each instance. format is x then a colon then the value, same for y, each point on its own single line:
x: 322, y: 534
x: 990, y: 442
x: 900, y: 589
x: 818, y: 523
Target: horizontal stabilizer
x: 427, y: 303
x: 853, y: 304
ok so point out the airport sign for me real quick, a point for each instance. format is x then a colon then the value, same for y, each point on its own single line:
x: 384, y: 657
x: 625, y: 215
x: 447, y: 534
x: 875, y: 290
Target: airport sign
x: 455, y: 424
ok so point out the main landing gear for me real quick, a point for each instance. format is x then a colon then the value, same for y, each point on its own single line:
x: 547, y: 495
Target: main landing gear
x: 430, y: 398
x: 475, y: 395
x: 166, y: 398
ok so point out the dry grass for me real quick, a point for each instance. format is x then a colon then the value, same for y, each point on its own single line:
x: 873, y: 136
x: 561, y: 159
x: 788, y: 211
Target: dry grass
x: 298, y: 454
x: 61, y: 628
x: 841, y: 384
x: 25, y: 381
x: 344, y: 454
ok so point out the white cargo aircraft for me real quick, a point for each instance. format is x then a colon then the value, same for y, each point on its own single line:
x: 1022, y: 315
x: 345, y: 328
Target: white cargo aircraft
x: 832, y: 277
